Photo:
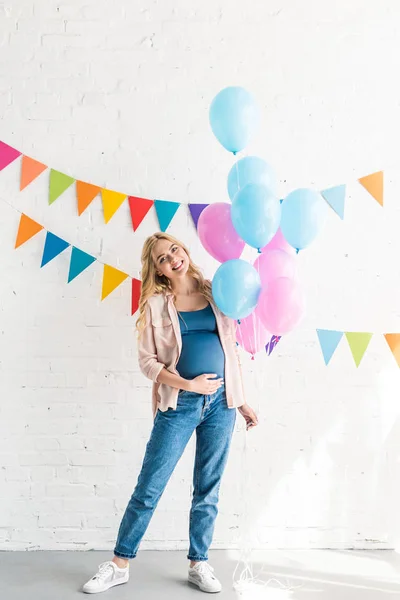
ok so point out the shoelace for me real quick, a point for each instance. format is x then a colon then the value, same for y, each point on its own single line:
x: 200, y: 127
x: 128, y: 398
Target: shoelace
x: 104, y: 569
x: 206, y: 569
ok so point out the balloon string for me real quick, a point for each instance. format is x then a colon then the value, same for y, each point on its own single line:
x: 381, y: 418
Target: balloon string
x: 237, y: 175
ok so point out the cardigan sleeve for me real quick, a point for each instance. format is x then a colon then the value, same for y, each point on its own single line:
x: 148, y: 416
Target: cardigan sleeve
x: 148, y: 362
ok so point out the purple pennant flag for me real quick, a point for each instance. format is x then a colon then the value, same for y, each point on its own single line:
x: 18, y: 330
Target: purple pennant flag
x: 272, y: 343
x: 195, y: 211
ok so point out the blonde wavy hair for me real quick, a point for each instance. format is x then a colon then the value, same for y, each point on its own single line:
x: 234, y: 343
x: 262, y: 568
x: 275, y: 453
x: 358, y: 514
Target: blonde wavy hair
x: 152, y: 283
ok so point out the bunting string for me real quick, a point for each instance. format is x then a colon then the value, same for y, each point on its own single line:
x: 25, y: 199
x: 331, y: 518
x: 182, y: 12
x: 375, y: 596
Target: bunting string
x: 166, y: 210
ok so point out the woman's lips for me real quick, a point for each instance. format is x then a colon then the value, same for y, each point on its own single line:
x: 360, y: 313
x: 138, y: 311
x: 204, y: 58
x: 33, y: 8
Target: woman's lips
x: 179, y: 266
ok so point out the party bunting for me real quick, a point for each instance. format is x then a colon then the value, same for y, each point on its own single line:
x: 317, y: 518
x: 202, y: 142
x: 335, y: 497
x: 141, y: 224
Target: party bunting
x: 329, y: 341
x: 111, y: 203
x: 79, y: 262
x: 85, y: 194
x: 374, y: 185
x: 30, y: 169
x: 53, y: 246
x: 59, y: 182
x: 7, y: 155
x: 27, y: 228
x: 112, y: 278
x: 393, y: 340
x: 165, y: 212
x: 358, y: 342
x: 335, y: 197
x: 195, y: 211
x: 136, y: 289
x: 139, y: 208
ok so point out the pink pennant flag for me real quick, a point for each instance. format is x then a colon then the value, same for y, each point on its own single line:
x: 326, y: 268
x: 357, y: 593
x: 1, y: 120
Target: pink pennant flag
x: 7, y: 155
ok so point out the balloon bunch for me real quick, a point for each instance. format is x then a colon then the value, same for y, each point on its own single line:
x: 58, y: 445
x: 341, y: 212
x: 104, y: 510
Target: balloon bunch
x: 264, y: 297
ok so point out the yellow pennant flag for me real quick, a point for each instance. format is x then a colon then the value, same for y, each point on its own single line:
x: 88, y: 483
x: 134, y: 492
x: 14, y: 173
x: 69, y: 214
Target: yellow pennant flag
x: 393, y: 340
x: 111, y: 202
x: 112, y: 278
x: 374, y: 185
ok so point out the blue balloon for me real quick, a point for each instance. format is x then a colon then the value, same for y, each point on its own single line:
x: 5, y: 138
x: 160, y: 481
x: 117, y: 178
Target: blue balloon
x: 234, y: 117
x: 236, y: 287
x: 304, y: 213
x: 256, y: 214
x: 251, y: 169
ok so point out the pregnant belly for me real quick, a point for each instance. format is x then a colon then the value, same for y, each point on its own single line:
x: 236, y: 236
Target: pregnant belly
x: 201, y: 353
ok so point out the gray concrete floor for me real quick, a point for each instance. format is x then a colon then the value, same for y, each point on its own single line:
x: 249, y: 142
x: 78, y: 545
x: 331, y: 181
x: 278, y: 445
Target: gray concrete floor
x: 327, y: 574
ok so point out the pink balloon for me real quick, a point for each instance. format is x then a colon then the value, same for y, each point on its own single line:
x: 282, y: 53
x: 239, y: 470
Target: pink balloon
x: 273, y: 264
x: 217, y: 233
x: 251, y: 334
x: 278, y: 242
x: 281, y: 305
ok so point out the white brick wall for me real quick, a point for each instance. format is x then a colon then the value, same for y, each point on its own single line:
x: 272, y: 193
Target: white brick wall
x: 117, y: 94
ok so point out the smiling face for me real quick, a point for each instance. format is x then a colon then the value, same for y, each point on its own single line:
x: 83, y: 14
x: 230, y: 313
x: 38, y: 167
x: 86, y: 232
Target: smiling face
x: 170, y: 260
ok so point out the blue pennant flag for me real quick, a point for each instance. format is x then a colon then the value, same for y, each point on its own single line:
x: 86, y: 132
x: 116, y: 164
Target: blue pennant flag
x: 329, y: 341
x: 79, y: 262
x: 53, y: 247
x: 335, y: 197
x: 165, y: 212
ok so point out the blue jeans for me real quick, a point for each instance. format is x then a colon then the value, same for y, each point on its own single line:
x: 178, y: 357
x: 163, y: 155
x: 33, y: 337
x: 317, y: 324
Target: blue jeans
x: 214, y: 423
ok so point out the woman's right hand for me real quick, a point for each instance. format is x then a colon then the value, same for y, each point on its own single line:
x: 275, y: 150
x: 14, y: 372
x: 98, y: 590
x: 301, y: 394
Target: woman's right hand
x: 205, y: 384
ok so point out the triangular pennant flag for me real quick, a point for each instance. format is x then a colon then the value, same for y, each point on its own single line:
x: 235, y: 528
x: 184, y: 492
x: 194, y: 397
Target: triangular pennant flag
x: 195, y: 211
x: 27, y: 229
x: 53, y: 246
x: 139, y: 208
x: 136, y: 289
x: 59, y: 182
x: 111, y: 202
x: 7, y: 155
x: 272, y: 343
x: 79, y: 262
x: 165, y: 212
x: 329, y: 341
x: 85, y: 193
x: 393, y: 340
x: 30, y: 169
x: 112, y: 278
x: 358, y: 342
x: 335, y: 197
x: 374, y: 185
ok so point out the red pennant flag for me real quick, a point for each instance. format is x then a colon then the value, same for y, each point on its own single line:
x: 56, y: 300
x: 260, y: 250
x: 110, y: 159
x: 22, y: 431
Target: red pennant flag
x: 136, y: 289
x: 139, y: 208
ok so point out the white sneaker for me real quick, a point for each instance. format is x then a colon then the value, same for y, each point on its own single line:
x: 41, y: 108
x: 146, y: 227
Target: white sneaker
x: 202, y: 576
x: 109, y: 574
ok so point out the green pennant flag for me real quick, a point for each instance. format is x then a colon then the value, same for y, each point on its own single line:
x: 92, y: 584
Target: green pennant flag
x: 358, y: 342
x: 59, y: 182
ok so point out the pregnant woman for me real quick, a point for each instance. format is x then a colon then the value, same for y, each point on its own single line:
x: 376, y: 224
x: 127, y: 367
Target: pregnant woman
x: 187, y: 347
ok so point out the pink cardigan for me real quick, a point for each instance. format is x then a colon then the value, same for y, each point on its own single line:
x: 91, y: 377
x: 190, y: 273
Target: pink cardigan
x: 161, y: 343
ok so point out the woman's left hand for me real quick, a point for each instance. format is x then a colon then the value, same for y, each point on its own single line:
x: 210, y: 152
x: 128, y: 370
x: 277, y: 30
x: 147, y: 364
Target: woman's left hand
x: 249, y: 415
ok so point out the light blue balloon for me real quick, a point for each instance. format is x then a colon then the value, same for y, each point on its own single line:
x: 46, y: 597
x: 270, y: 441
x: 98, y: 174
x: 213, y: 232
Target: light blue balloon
x: 256, y: 214
x: 236, y: 287
x: 251, y: 169
x: 234, y: 117
x: 304, y: 213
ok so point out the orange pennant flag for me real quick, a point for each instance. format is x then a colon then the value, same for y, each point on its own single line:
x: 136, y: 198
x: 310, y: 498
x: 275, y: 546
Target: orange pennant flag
x: 85, y: 193
x: 30, y: 169
x: 374, y: 185
x: 111, y: 202
x: 112, y: 278
x: 393, y: 340
x: 27, y: 229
